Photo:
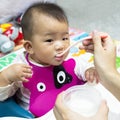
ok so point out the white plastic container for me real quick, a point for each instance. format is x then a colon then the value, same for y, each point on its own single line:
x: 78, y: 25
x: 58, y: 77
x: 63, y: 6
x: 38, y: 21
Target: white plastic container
x: 83, y: 99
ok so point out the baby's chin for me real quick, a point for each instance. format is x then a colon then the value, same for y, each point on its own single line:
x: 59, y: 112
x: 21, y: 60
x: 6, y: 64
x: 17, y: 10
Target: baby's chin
x: 57, y: 63
x: 53, y: 64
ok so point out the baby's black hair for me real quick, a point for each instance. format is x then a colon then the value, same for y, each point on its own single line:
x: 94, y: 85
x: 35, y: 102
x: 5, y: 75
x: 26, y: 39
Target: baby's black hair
x: 49, y: 9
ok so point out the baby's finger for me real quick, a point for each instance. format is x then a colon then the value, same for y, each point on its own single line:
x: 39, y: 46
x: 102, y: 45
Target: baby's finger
x: 97, y: 78
x: 27, y: 69
x: 27, y: 75
x: 92, y: 76
x: 26, y: 66
x: 23, y: 79
x: 87, y: 75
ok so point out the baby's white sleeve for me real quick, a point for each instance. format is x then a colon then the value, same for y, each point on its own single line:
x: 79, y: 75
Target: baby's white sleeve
x: 7, y: 91
x: 83, y: 62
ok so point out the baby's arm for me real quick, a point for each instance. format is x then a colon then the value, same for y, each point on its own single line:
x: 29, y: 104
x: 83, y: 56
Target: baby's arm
x: 83, y: 64
x: 9, y: 78
x: 15, y: 72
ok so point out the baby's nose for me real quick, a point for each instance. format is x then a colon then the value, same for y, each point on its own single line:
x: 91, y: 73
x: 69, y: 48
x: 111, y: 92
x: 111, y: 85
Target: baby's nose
x: 59, y: 46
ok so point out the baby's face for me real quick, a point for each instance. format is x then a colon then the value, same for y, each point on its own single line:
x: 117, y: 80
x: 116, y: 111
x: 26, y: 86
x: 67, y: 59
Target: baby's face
x: 51, y: 39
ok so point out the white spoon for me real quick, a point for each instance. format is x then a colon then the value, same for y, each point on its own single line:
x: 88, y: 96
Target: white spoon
x: 85, y: 38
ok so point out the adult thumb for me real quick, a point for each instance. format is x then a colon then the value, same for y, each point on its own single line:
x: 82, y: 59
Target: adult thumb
x: 103, y: 110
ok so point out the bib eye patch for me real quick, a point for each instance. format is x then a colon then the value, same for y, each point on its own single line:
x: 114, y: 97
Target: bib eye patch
x: 61, y: 77
x: 41, y: 87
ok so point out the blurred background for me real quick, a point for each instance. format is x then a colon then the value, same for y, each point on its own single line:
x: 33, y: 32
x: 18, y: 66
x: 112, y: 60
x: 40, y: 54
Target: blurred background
x: 89, y: 15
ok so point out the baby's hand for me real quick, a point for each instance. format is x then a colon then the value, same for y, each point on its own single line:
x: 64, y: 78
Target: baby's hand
x: 18, y: 72
x: 91, y: 75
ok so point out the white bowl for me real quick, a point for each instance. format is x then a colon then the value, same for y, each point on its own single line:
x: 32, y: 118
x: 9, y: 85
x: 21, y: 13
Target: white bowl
x: 82, y: 99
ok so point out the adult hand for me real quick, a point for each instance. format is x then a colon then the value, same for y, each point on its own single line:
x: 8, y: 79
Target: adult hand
x: 62, y: 112
x: 104, y: 52
x: 105, y: 63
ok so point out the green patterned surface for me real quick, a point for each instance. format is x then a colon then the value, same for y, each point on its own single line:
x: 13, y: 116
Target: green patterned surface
x: 6, y: 60
x: 74, y: 36
x: 118, y: 62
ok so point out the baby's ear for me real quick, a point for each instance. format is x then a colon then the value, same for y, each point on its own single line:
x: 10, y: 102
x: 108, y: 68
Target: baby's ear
x: 28, y: 46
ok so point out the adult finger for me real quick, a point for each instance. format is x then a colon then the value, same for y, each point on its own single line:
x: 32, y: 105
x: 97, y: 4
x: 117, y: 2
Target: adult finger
x: 97, y: 40
x: 103, y: 110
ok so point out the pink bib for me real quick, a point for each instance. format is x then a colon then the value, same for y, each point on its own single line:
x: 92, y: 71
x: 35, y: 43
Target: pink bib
x: 47, y: 82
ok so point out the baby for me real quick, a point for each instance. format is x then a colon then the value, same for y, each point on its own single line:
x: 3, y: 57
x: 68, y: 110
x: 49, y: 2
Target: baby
x: 44, y: 74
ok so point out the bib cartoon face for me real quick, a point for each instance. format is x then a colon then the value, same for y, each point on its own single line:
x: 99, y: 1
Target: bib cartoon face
x: 47, y: 82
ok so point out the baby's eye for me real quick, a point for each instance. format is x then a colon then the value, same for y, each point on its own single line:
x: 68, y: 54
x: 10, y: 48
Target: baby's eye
x: 49, y: 40
x: 65, y: 38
